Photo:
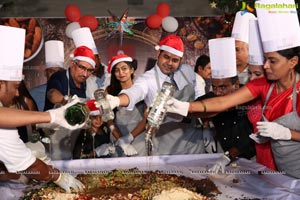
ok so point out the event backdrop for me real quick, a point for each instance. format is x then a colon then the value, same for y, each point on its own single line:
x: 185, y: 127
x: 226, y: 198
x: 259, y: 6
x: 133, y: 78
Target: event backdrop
x: 195, y: 32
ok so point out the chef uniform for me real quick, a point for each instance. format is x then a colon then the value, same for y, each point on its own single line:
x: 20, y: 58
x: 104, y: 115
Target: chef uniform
x: 232, y: 127
x: 174, y: 135
x: 54, y: 57
x: 283, y: 34
x: 240, y: 32
x: 13, y: 152
x: 84, y: 37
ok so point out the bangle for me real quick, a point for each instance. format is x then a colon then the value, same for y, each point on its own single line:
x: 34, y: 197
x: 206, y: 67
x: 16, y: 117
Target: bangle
x: 204, y: 106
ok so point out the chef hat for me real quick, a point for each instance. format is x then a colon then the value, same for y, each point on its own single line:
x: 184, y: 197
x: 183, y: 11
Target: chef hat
x: 84, y: 37
x: 93, y: 109
x: 222, y: 57
x: 278, y: 25
x: 172, y: 44
x: 84, y: 53
x: 116, y: 59
x: 256, y: 54
x: 54, y: 53
x: 240, y: 30
x: 12, y: 47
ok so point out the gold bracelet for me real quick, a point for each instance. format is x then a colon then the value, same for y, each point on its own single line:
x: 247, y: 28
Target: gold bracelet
x: 204, y: 106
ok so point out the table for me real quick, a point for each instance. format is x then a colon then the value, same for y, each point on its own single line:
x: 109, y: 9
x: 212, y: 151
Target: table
x: 246, y: 180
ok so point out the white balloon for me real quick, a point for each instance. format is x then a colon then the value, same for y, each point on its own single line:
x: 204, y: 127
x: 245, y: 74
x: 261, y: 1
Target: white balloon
x: 169, y: 24
x: 71, y: 27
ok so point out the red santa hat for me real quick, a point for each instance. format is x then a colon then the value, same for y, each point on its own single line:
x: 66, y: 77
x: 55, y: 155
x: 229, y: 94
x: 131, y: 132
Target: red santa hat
x: 93, y: 109
x: 116, y: 59
x: 86, y: 54
x: 172, y: 44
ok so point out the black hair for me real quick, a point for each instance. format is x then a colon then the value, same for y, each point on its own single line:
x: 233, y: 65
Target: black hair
x: 291, y: 52
x: 115, y: 86
x: 202, y: 61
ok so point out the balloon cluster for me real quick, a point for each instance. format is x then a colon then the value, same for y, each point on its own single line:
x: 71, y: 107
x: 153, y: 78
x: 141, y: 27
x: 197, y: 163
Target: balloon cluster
x: 73, y: 14
x: 162, y: 18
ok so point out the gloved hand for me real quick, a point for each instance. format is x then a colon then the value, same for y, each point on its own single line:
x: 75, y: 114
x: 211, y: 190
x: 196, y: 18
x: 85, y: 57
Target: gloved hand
x: 220, y: 165
x: 113, y: 101
x: 258, y: 139
x: 39, y: 151
x: 178, y: 107
x: 209, y: 141
x: 125, y: 143
x: 105, y: 149
x: 66, y: 181
x: 274, y: 131
x: 58, y: 117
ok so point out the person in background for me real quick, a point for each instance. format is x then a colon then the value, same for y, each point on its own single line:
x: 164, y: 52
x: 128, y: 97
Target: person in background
x: 263, y: 149
x: 203, y: 68
x: 240, y: 32
x: 131, y: 124
x: 14, y: 155
x: 278, y: 90
x: 72, y: 81
x: 100, y: 78
x: 54, y: 58
x: 232, y: 126
x: 93, y: 141
x: 24, y: 101
x: 174, y: 135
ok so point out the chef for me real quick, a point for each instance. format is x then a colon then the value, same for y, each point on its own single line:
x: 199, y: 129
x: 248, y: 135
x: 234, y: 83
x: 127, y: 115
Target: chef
x: 18, y: 161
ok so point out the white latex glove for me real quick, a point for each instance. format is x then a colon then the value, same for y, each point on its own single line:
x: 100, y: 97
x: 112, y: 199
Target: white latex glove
x: 178, y: 107
x: 258, y: 139
x: 58, y: 117
x: 274, y: 131
x: 113, y: 101
x: 66, y: 181
x: 125, y: 143
x: 220, y: 165
x: 39, y: 151
x: 209, y: 140
x: 105, y: 149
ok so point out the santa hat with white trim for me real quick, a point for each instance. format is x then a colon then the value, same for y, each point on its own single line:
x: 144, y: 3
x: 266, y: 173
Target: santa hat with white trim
x: 172, y: 44
x: 84, y: 53
x: 93, y: 109
x: 116, y: 59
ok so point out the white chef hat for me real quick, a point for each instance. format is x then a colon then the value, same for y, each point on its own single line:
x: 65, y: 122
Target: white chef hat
x: 240, y: 29
x: 278, y: 24
x: 222, y: 57
x: 12, y: 47
x: 84, y: 37
x: 256, y: 54
x: 54, y: 53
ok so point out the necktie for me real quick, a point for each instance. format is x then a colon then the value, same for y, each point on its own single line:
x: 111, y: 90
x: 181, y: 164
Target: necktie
x: 173, y: 81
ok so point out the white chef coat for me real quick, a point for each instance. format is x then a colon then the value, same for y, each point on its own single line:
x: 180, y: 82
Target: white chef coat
x: 13, y: 152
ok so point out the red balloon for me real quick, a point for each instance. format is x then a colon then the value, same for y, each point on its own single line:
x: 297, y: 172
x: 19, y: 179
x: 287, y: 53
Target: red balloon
x: 89, y: 21
x: 154, y: 21
x: 72, y: 13
x: 163, y: 10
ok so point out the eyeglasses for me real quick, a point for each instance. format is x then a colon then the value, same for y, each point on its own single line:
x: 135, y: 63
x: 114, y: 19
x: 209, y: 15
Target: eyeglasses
x: 83, y: 68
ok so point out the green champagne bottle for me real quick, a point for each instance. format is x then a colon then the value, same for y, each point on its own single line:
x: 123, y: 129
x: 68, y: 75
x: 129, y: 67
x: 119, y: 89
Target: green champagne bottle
x: 77, y: 114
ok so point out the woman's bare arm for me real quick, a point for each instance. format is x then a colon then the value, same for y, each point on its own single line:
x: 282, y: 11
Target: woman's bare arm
x: 222, y: 103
